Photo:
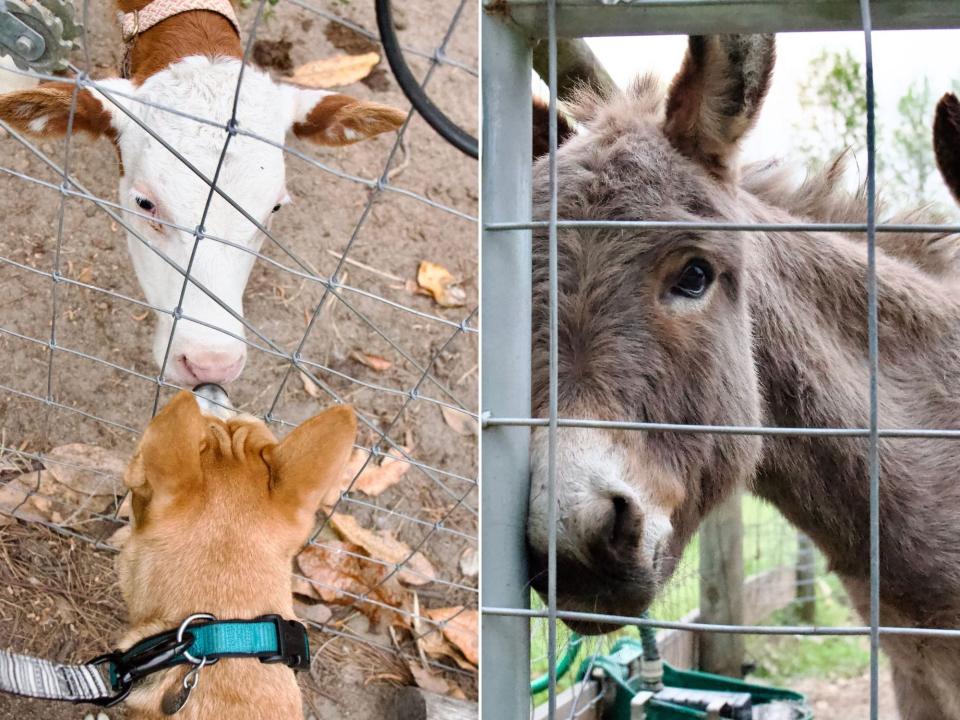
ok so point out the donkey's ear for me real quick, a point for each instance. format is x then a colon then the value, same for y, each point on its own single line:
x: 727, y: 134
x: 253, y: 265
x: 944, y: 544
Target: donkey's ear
x: 715, y: 98
x: 168, y: 456
x: 334, y: 119
x: 44, y: 111
x: 946, y: 141
x: 566, y: 128
x: 311, y: 459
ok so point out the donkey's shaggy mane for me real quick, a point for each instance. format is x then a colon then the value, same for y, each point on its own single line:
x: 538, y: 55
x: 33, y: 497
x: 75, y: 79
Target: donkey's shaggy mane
x: 820, y: 197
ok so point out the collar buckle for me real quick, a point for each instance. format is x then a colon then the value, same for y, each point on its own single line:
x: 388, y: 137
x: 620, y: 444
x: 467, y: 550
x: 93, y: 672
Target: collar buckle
x: 293, y: 645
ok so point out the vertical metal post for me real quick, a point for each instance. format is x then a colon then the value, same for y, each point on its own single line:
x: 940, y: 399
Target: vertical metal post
x: 552, y: 514
x: 874, y: 365
x: 721, y: 587
x: 505, y: 352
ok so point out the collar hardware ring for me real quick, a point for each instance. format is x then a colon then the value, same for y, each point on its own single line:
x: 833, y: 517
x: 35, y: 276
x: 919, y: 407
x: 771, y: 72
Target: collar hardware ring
x: 190, y: 619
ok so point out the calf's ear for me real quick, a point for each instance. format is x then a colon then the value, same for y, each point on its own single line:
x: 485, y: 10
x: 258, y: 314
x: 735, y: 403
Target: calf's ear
x: 333, y: 119
x: 44, y: 110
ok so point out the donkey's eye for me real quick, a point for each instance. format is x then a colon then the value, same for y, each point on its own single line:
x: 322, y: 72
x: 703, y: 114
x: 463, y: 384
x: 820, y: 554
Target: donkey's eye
x: 146, y: 205
x: 694, y: 280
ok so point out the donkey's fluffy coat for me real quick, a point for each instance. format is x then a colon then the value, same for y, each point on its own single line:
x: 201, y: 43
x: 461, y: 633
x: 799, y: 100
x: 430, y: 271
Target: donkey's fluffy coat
x: 779, y: 337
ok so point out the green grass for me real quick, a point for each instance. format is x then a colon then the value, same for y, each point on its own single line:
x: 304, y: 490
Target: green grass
x: 769, y: 542
x: 781, y: 660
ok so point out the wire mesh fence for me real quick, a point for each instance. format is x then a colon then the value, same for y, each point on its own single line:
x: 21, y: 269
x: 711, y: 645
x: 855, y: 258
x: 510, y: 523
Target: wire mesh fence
x: 507, y: 202
x: 333, y: 315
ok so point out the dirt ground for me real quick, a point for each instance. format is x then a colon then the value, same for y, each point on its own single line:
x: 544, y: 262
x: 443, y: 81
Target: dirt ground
x: 57, y: 594
x: 847, y: 698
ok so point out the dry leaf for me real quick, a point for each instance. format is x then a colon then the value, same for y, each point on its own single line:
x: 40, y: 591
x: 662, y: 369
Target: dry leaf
x: 309, y: 385
x: 443, y: 286
x: 304, y: 587
x: 461, y: 628
x: 374, y: 479
x: 459, y: 422
x: 13, y: 494
x: 439, y: 648
x: 470, y: 563
x: 336, y: 71
x: 339, y: 577
x: 427, y: 680
x: 318, y: 613
x: 100, y: 471
x: 374, y: 362
x: 383, y: 546
x: 49, y: 500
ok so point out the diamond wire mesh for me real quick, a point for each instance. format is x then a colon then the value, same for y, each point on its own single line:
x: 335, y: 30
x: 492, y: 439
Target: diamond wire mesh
x: 434, y: 509
x: 670, y: 606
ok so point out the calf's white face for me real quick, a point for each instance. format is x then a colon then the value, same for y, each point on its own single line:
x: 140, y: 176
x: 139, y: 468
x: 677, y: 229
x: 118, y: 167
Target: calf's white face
x: 167, y: 199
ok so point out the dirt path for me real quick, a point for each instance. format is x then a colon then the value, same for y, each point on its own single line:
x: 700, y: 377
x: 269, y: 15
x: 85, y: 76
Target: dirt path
x: 847, y: 699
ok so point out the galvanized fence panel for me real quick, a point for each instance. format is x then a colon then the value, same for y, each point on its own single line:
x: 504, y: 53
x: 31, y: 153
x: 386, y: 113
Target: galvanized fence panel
x: 548, y: 19
x: 421, y: 338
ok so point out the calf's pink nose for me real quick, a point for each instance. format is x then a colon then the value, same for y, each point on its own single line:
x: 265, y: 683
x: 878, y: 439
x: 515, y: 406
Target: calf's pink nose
x: 213, y: 367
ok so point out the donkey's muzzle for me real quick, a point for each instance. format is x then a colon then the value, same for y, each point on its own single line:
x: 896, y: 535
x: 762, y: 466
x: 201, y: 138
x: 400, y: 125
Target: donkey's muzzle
x: 213, y: 400
x: 606, y: 587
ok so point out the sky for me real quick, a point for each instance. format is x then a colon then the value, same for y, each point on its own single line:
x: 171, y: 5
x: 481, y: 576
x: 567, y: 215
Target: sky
x: 900, y: 57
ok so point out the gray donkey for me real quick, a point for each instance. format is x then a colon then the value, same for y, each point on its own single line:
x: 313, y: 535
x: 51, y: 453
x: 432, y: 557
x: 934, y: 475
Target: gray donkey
x: 741, y: 328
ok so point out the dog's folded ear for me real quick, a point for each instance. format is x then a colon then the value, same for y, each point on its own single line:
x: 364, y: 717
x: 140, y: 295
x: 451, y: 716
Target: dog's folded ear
x: 311, y: 458
x: 169, y: 452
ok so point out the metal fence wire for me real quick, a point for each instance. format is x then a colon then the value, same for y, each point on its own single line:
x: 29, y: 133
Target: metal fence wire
x: 506, y: 301
x: 75, y: 352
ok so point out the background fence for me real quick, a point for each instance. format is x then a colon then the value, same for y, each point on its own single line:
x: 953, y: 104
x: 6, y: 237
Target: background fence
x: 508, y: 28
x: 332, y: 315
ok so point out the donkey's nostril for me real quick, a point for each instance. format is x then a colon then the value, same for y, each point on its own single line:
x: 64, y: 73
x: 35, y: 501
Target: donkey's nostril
x: 619, y: 518
x: 623, y: 527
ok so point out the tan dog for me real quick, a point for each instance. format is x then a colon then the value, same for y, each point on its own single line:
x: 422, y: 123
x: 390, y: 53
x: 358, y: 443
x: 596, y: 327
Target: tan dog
x: 219, y: 510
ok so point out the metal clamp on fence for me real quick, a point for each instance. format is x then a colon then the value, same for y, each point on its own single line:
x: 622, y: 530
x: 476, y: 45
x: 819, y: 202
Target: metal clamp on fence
x: 38, y: 34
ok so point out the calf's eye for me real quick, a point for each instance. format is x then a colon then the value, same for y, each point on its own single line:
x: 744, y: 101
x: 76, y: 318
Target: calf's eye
x: 146, y: 205
x: 694, y: 279
x: 276, y: 207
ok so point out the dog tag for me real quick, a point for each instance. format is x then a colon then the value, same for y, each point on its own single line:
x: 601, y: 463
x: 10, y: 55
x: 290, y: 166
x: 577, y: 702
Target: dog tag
x: 177, y: 696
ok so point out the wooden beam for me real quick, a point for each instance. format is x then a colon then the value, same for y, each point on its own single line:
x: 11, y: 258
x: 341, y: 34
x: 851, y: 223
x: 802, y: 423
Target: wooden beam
x: 590, y: 18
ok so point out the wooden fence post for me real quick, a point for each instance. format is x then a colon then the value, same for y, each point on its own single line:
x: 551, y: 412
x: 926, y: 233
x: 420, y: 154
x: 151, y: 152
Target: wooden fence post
x: 721, y: 587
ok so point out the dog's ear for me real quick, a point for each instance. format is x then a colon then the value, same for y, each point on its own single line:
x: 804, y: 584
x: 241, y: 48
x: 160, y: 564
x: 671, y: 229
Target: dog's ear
x: 168, y: 455
x: 311, y: 459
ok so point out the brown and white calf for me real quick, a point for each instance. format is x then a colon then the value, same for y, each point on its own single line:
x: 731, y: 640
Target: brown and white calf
x: 190, y: 61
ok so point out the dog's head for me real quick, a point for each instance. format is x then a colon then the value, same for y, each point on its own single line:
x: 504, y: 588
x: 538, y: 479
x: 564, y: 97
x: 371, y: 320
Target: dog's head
x: 220, y: 507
